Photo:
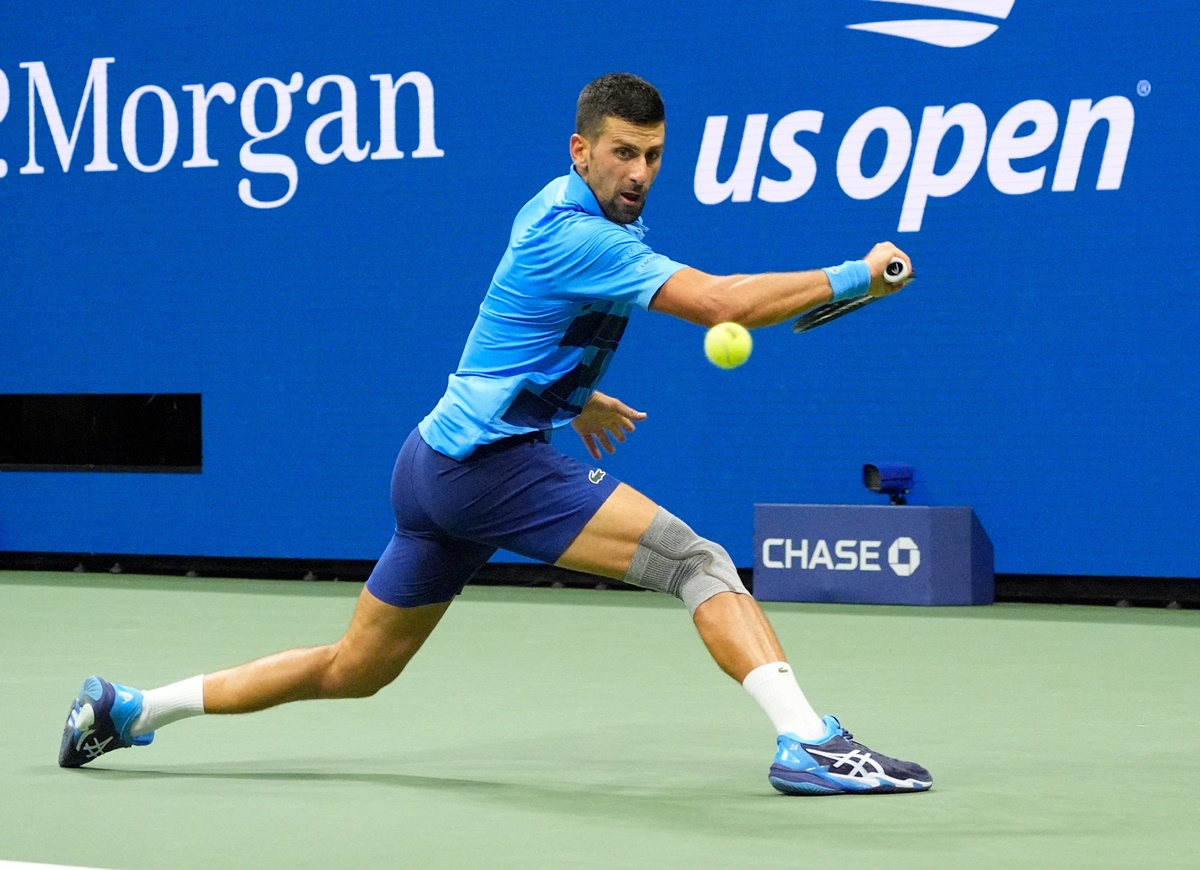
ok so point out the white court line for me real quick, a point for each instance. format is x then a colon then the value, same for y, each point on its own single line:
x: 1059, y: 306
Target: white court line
x: 21, y: 865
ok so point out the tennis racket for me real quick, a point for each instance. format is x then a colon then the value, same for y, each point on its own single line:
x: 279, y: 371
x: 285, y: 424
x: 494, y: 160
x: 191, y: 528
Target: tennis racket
x: 894, y: 272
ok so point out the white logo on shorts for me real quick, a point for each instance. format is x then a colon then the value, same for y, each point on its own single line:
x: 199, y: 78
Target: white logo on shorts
x: 596, y: 475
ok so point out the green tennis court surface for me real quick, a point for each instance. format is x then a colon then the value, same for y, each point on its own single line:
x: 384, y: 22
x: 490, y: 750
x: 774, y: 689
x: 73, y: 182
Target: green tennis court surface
x: 566, y: 728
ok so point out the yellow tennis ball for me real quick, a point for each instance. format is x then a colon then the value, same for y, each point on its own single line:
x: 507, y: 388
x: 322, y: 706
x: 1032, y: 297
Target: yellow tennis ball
x: 728, y: 345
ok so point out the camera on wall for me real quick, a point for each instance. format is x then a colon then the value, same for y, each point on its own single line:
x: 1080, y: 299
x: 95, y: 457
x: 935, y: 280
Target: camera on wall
x: 889, y: 478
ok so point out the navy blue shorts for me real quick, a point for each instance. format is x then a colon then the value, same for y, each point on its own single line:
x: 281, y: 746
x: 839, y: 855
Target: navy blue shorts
x: 451, y: 515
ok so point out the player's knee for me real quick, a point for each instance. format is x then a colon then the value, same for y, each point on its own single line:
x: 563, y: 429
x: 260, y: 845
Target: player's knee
x: 672, y: 558
x: 354, y: 676
x: 355, y: 683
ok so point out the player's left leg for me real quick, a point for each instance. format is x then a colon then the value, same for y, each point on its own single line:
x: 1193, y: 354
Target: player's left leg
x: 632, y: 539
x: 731, y: 624
x: 729, y: 621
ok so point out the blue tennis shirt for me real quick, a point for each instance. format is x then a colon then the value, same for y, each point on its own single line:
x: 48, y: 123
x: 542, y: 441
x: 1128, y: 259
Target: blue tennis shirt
x: 550, y: 321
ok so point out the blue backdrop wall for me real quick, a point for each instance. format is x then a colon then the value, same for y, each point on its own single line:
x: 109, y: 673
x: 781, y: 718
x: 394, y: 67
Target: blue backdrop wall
x: 294, y: 210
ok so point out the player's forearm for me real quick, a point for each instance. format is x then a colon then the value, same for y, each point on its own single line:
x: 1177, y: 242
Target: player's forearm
x: 751, y: 300
x: 773, y: 297
x: 769, y: 298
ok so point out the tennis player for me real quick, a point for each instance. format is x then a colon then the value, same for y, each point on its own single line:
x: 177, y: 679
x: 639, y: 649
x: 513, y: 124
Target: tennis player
x: 479, y: 472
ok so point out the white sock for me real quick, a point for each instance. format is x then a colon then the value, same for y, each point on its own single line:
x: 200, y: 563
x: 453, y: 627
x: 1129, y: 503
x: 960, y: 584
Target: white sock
x: 774, y: 687
x: 170, y: 704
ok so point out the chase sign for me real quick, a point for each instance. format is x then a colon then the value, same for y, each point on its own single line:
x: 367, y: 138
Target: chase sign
x: 871, y: 554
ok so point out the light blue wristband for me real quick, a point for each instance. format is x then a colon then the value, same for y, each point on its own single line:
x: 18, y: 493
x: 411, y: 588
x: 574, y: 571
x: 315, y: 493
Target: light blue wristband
x: 849, y: 280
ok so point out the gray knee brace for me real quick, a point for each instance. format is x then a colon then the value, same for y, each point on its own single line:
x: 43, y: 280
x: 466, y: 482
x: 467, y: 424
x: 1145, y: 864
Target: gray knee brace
x: 671, y: 558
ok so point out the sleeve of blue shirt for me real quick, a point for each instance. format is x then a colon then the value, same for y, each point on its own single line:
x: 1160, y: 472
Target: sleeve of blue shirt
x: 600, y: 259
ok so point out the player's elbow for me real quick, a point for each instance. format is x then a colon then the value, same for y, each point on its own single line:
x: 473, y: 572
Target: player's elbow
x: 724, y: 300
x: 704, y: 300
x: 717, y: 309
x: 722, y: 305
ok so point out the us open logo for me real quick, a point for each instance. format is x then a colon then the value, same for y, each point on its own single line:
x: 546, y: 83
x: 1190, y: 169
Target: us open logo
x: 944, y: 32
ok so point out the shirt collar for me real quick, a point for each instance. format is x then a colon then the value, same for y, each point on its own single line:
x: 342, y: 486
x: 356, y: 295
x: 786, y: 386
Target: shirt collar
x: 578, y: 193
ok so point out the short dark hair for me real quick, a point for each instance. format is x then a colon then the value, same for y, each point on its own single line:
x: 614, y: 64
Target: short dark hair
x: 618, y: 95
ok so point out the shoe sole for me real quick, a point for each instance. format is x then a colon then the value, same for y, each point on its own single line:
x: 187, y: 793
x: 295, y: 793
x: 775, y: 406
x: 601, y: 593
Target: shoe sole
x: 808, y: 783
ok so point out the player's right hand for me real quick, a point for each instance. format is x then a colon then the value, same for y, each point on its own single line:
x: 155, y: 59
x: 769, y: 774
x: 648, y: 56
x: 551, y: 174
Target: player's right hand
x: 877, y: 259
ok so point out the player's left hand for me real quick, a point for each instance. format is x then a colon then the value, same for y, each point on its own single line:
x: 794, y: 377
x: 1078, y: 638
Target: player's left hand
x: 602, y: 417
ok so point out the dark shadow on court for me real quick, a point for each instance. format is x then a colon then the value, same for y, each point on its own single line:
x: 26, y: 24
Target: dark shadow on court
x: 719, y: 811
x: 714, y: 809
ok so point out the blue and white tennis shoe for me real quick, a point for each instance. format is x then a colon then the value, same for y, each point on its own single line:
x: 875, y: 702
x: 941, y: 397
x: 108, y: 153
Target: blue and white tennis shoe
x: 99, y: 721
x: 837, y: 764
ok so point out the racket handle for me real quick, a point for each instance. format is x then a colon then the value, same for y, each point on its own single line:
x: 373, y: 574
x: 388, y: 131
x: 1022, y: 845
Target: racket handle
x: 895, y: 271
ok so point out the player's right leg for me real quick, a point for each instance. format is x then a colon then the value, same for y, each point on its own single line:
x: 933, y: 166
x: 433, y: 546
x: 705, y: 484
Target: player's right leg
x: 412, y: 585
x: 379, y: 643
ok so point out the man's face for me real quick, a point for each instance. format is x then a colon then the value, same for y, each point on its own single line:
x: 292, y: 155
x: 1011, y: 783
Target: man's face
x: 619, y: 165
